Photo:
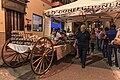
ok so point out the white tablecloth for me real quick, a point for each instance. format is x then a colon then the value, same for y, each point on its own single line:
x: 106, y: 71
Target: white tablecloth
x: 19, y: 48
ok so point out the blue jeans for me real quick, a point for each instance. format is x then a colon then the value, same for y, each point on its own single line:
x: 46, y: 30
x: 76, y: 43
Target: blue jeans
x: 83, y: 52
x: 118, y: 56
x: 105, y: 53
x: 110, y: 51
x: 99, y: 44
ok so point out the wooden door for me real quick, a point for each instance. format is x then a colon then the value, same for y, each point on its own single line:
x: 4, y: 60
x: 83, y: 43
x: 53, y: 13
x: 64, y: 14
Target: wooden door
x: 8, y: 25
x: 13, y: 21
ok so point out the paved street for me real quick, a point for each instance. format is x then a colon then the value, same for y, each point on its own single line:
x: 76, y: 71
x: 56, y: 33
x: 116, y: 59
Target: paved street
x: 66, y: 69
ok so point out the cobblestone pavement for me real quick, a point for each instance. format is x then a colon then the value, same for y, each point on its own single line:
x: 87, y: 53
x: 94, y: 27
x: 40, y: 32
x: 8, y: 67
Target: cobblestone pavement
x: 66, y: 69
x: 21, y: 73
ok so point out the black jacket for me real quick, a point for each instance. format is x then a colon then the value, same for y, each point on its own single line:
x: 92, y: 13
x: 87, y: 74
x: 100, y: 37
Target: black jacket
x: 83, y: 38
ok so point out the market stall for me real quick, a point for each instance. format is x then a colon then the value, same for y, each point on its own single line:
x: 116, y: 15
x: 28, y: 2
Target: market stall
x: 86, y: 10
x: 79, y: 11
x: 42, y: 50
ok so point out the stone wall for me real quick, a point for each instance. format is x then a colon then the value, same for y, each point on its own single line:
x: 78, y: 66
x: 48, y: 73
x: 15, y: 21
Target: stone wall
x: 2, y: 41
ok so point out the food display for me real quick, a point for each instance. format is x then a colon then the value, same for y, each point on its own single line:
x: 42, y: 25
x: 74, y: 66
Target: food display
x: 17, y: 38
x: 64, y: 39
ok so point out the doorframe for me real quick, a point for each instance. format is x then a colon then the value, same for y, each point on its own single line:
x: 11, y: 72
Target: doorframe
x: 8, y: 27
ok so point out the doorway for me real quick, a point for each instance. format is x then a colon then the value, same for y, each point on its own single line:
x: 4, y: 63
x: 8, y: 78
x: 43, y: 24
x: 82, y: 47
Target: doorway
x: 14, y: 21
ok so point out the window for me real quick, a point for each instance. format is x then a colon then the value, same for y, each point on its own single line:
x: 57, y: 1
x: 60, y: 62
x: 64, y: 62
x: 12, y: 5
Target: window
x: 21, y: 1
x: 64, y: 1
x: 15, y: 20
x: 37, y: 23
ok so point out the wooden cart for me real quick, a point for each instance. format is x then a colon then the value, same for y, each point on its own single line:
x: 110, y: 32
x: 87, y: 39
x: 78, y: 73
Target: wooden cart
x: 41, y: 54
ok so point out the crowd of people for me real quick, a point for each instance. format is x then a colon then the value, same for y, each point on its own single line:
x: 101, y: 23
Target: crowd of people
x: 105, y: 40
x: 88, y: 41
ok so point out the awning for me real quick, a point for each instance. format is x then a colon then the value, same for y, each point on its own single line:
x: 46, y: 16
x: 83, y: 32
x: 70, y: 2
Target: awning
x: 85, y: 8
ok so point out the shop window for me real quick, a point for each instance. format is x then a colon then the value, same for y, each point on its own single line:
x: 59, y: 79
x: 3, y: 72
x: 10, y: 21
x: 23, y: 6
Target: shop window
x: 37, y: 23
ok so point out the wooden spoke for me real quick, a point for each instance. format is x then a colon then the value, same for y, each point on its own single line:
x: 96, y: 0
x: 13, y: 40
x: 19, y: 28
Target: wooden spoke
x: 49, y: 51
x: 13, y: 58
x: 16, y: 57
x: 40, y: 67
x: 9, y: 56
x: 49, y: 55
x: 47, y: 59
x: 38, y: 64
x: 19, y: 58
x: 37, y: 60
x: 43, y: 66
x: 46, y: 52
x: 24, y: 54
x: 46, y: 63
x: 22, y: 57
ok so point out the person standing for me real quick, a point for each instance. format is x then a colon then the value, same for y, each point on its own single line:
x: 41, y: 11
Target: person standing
x: 76, y: 44
x: 117, y: 42
x: 83, y: 38
x: 58, y: 35
x: 93, y: 41
x: 111, y: 34
x: 97, y: 43
x: 100, y: 39
x: 105, y: 43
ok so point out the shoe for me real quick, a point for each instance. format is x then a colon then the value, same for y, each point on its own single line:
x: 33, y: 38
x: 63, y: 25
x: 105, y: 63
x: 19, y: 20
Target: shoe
x: 83, y: 66
x: 109, y: 64
x: 116, y: 65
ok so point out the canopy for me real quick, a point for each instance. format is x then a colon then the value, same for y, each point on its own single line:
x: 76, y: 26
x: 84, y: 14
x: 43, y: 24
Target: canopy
x: 85, y: 9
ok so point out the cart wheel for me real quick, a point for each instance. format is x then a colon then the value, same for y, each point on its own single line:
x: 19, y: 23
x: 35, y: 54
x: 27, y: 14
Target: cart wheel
x: 12, y: 58
x: 42, y: 56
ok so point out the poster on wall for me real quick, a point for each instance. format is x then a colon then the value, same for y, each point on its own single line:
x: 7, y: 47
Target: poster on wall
x: 56, y: 24
x: 37, y: 23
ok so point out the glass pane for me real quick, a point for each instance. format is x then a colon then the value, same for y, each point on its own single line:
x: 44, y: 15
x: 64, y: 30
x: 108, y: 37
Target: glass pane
x: 37, y: 23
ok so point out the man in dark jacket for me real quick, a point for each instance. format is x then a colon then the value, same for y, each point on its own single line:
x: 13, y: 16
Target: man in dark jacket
x: 83, y: 38
x: 111, y: 33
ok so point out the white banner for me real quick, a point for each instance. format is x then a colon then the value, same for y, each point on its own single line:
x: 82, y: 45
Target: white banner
x: 93, y: 9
